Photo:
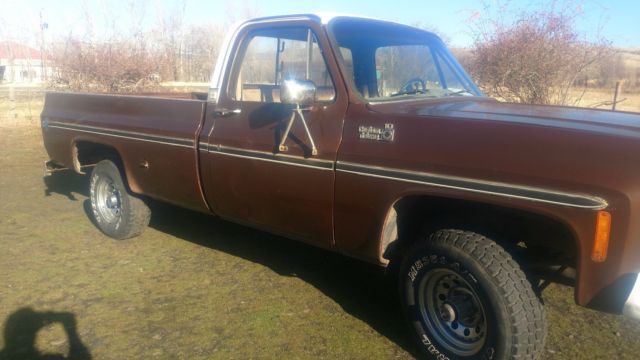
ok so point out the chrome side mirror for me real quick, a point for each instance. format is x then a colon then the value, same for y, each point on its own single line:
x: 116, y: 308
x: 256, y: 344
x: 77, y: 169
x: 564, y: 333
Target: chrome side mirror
x: 301, y: 93
x: 298, y: 92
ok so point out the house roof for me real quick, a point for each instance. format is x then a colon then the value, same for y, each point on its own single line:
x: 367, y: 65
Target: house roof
x: 16, y: 51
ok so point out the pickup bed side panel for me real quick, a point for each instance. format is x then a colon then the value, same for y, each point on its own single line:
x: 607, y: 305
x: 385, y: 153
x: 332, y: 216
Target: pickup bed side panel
x: 154, y: 137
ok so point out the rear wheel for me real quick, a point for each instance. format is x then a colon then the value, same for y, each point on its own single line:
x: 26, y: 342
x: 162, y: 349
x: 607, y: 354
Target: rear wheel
x: 117, y: 212
x: 466, y: 298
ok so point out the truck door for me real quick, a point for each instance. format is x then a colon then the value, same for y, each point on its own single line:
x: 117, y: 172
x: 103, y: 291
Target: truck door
x: 248, y: 176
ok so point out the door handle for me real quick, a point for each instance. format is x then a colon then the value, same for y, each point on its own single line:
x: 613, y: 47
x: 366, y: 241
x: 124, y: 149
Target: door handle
x: 226, y: 112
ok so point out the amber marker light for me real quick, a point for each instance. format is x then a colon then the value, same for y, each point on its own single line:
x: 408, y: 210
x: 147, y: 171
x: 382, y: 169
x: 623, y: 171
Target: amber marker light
x: 601, y: 241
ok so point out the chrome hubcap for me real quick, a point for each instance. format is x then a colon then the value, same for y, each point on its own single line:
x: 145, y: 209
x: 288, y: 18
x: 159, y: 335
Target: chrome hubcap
x: 452, y: 312
x: 108, y: 200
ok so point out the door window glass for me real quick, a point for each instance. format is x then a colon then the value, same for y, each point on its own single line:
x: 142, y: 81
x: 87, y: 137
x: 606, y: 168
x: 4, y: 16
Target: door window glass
x: 272, y: 55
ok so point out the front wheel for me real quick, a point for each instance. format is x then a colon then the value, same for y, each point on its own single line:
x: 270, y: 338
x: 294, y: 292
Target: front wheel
x: 118, y: 213
x: 466, y: 298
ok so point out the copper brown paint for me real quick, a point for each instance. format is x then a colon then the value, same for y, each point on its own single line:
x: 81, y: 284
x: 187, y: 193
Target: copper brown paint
x: 575, y: 151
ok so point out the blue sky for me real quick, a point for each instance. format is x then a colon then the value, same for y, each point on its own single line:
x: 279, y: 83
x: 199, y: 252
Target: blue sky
x: 616, y: 20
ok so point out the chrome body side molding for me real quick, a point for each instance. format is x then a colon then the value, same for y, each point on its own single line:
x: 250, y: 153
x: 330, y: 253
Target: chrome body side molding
x: 474, y: 185
x: 268, y: 156
x: 167, y: 140
x: 429, y: 179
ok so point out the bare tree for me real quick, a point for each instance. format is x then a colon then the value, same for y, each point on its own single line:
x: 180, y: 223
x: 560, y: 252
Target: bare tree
x: 118, y: 65
x: 535, y: 59
x: 134, y: 58
x: 138, y: 56
x: 201, y: 46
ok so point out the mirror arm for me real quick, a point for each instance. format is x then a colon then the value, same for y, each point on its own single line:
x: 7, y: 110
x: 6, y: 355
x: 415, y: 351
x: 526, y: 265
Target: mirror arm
x: 298, y: 92
x: 285, y: 135
x: 314, y: 150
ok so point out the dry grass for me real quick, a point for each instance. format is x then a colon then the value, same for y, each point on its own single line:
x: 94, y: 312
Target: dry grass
x: 631, y: 58
x: 196, y: 287
x: 592, y: 97
x: 190, y: 287
x: 21, y: 109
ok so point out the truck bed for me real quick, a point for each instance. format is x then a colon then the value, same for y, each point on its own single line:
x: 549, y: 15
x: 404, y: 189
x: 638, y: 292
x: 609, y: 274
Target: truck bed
x: 153, y: 135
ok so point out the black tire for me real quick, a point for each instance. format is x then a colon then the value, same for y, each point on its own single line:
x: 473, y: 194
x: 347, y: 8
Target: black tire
x: 466, y: 298
x: 117, y: 212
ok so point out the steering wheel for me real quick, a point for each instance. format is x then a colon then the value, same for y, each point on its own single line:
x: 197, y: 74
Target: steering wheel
x: 412, y: 85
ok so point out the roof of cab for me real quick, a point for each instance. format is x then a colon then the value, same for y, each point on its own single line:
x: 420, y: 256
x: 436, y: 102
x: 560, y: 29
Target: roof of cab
x: 321, y: 17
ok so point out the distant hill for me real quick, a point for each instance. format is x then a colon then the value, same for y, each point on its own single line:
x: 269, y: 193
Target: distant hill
x: 631, y: 57
x: 625, y: 65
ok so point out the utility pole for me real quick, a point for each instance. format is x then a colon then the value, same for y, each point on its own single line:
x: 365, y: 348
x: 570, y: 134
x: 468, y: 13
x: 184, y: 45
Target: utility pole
x: 43, y: 26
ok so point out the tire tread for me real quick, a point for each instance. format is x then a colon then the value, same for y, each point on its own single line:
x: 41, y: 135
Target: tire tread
x: 526, y: 312
x: 137, y: 218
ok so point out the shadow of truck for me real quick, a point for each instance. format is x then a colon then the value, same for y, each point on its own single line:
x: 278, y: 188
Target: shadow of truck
x: 363, y: 290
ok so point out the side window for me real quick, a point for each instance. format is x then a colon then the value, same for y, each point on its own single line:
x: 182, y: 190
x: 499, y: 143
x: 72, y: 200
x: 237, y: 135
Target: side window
x: 272, y: 55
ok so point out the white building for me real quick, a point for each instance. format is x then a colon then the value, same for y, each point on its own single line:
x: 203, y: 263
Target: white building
x: 21, y: 64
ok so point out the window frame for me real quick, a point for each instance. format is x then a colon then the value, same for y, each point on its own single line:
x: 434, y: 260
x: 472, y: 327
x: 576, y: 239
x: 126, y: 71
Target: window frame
x: 240, y: 49
x: 352, y: 88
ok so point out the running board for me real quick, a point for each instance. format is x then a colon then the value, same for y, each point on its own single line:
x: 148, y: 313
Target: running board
x: 51, y: 167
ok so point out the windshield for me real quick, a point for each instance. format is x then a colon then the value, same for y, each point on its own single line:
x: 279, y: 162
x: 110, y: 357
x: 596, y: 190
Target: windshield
x: 388, y: 61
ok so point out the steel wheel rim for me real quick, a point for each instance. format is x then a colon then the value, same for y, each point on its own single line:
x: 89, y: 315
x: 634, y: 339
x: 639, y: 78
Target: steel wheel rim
x: 108, y: 200
x: 452, y: 311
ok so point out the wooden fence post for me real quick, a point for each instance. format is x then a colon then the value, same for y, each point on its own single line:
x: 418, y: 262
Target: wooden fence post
x: 615, y: 95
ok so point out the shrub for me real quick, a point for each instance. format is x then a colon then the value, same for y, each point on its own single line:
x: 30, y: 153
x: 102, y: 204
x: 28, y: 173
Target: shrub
x: 535, y: 59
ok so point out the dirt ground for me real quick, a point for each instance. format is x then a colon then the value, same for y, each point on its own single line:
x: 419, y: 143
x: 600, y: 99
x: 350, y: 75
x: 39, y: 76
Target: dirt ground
x: 195, y: 287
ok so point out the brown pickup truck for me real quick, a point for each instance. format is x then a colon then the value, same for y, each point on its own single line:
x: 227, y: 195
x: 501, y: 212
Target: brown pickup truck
x: 368, y: 138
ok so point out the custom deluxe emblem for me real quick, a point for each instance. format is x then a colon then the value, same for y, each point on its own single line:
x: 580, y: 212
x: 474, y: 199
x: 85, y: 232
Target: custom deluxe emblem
x: 385, y: 134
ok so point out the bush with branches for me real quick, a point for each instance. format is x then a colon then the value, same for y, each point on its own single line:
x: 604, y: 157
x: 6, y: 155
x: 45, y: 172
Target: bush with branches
x: 535, y: 59
x: 115, y: 66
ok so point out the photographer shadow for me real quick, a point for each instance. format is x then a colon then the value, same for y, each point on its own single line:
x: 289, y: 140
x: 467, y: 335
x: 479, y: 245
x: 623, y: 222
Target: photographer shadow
x: 20, y: 332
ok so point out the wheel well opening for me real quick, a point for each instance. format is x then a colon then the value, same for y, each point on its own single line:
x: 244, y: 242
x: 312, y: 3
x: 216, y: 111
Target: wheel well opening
x: 88, y: 154
x: 539, y: 243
